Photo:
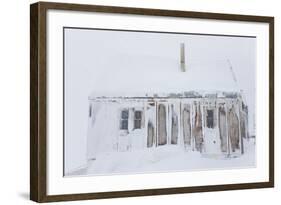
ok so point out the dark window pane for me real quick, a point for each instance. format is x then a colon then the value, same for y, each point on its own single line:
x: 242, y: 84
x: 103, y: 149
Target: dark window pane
x: 125, y: 114
x: 124, y: 120
x: 137, y: 114
x: 137, y: 124
x: 124, y: 124
x: 210, y: 118
x: 137, y: 121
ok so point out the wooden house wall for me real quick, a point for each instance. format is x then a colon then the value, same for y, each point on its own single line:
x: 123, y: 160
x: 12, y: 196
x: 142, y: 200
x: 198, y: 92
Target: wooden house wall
x: 183, y: 122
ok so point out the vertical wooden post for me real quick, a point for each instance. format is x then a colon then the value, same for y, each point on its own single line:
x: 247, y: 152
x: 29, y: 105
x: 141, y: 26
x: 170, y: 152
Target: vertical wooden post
x: 169, y: 122
x: 180, y: 135
x: 203, y: 123
x: 144, y: 142
x: 156, y: 125
x: 193, y: 120
x: 239, y: 127
x: 217, y: 123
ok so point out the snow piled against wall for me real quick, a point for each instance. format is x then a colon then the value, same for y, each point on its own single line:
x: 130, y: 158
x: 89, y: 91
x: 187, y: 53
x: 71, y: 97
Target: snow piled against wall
x: 102, y: 128
x: 104, y: 134
x: 164, y: 159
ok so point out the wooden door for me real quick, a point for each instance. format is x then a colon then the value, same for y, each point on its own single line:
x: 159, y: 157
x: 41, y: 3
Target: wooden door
x: 175, y: 130
x: 233, y: 129
x: 150, y: 134
x: 162, y: 125
x: 151, y: 124
x: 222, y: 129
x: 186, y: 125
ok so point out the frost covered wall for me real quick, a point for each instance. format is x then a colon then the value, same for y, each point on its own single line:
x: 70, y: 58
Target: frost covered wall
x: 104, y: 134
x: 210, y: 125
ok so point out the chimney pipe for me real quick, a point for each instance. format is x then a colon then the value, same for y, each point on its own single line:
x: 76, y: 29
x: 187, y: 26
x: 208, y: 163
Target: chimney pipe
x: 182, y: 57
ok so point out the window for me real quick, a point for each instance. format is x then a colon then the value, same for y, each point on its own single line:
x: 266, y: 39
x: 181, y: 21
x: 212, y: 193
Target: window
x: 137, y: 120
x: 210, y: 118
x: 124, y: 119
x: 90, y: 111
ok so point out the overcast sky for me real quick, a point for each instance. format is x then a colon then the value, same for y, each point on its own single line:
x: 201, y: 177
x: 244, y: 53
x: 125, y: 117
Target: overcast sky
x: 95, y: 58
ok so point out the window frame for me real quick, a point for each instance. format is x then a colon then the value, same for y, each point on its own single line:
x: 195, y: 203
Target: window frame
x: 139, y: 119
x: 124, y: 119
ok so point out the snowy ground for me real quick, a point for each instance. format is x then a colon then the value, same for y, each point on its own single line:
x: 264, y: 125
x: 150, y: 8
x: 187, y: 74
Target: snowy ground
x: 164, y: 159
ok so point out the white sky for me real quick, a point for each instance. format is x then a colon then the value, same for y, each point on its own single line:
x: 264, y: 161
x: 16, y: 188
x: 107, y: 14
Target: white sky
x: 96, y: 58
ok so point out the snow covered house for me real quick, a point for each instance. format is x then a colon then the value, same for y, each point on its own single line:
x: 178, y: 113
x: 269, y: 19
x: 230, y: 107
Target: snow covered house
x: 196, y: 106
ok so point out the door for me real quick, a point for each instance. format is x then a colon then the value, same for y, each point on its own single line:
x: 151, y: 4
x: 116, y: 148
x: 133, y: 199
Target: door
x: 233, y: 129
x: 162, y: 124
x: 150, y: 134
x: 175, y: 130
x: 186, y: 125
x: 151, y: 124
x: 222, y: 129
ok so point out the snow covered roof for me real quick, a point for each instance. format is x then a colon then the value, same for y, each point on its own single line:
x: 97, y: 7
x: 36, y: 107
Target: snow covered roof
x: 162, y: 77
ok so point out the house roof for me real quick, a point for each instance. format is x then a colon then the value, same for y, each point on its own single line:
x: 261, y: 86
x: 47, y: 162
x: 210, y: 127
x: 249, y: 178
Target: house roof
x: 152, y: 76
